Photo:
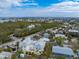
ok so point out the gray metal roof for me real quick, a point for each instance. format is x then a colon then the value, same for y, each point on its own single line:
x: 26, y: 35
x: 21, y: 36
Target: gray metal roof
x: 62, y: 50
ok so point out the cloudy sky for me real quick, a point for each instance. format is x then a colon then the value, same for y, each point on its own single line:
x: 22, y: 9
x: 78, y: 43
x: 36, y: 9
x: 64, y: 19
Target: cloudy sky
x: 39, y: 8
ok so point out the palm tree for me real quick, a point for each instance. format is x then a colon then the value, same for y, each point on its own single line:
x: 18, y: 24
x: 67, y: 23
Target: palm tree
x: 59, y: 40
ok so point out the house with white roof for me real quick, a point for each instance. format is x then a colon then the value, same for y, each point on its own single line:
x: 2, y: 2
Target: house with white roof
x: 31, y: 26
x: 73, y: 32
x: 5, y: 55
x: 35, y: 46
x: 62, y: 51
x: 60, y: 35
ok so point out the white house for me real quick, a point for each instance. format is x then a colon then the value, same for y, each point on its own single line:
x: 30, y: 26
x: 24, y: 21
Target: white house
x: 60, y: 35
x: 22, y: 55
x: 73, y: 30
x: 31, y: 26
x: 35, y: 46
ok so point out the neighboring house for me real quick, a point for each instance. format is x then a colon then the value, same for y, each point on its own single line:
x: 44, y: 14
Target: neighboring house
x: 5, y: 55
x: 22, y: 55
x: 62, y: 51
x: 71, y: 44
x: 73, y: 32
x: 46, y: 35
x: 61, y: 31
x: 54, y: 31
x: 31, y: 26
x: 60, y: 35
x: 35, y: 46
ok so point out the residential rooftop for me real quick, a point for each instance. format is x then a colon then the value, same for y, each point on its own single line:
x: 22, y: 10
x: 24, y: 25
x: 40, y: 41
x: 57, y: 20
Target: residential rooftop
x: 62, y: 50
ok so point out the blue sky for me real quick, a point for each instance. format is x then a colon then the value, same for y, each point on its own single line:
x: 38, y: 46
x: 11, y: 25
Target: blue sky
x: 39, y: 8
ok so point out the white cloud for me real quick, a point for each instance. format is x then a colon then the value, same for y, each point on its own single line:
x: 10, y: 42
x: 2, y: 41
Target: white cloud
x: 67, y: 3
x: 67, y: 6
x: 10, y: 3
x: 27, y: 4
